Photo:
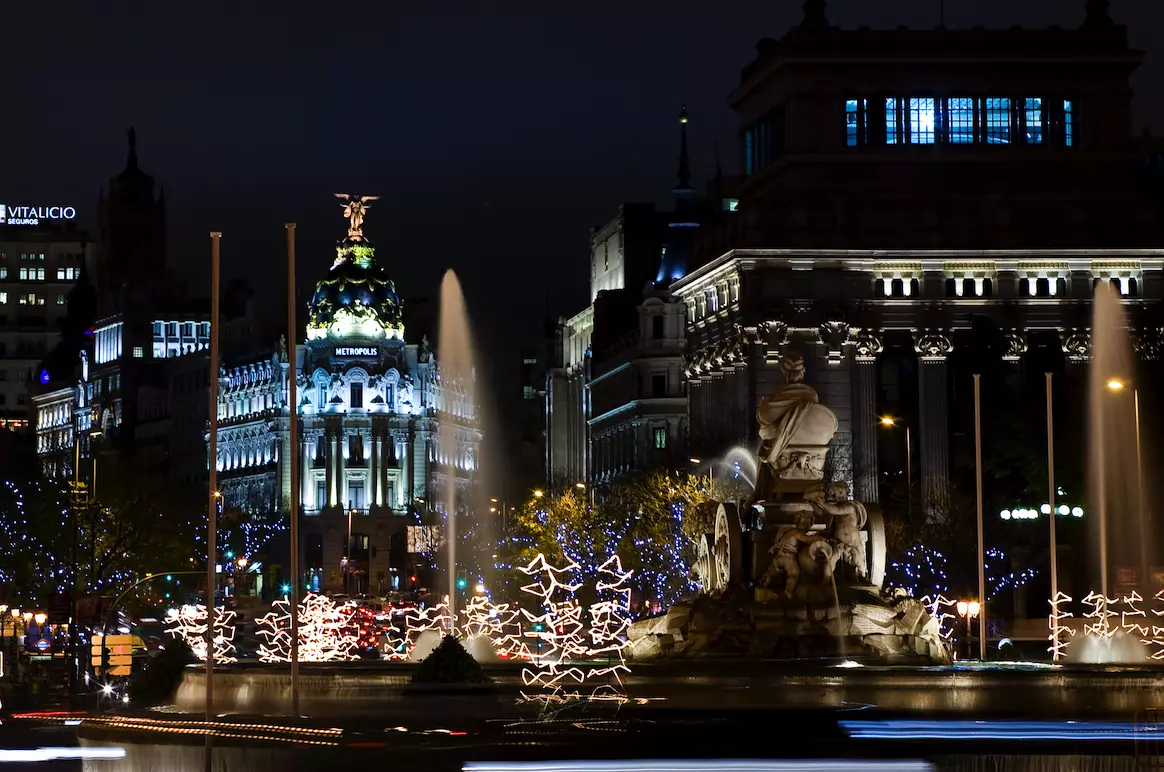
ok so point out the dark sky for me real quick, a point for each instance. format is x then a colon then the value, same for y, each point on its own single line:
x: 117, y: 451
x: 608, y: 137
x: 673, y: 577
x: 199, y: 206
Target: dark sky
x: 496, y: 136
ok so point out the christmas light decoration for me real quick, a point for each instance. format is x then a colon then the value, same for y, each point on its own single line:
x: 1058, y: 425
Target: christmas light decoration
x: 937, y: 606
x: 1133, y: 619
x: 496, y: 622
x: 189, y: 624
x: 610, y: 620
x: 1100, y: 614
x: 1155, y: 643
x: 921, y: 573
x: 1060, y: 634
x: 325, y: 631
x: 557, y: 632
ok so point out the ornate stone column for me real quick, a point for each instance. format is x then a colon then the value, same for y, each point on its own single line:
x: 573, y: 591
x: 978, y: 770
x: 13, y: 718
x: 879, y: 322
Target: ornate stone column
x: 933, y: 347
x: 1016, y: 346
x: 329, y: 465
x: 341, y: 488
x: 867, y: 347
x: 374, y: 469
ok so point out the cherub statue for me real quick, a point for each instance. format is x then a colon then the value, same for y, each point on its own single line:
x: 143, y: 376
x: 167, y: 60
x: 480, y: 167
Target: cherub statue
x: 847, y: 519
x: 786, y: 554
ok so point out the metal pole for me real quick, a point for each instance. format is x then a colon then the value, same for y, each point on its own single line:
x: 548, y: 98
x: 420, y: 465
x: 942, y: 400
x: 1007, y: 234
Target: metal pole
x: 348, y: 555
x: 981, y: 550
x: 293, y: 412
x: 908, y: 477
x: 211, y: 530
x: 1143, y: 515
x: 1051, y: 500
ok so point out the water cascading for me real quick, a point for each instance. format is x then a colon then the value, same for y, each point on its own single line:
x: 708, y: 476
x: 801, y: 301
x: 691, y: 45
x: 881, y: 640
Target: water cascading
x: 1120, y: 526
x: 455, y: 362
x: 739, y: 460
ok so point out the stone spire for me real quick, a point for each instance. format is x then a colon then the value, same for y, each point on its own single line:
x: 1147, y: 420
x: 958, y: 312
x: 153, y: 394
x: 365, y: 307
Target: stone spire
x: 1098, y: 14
x: 814, y: 15
x: 131, y: 161
x: 684, y: 161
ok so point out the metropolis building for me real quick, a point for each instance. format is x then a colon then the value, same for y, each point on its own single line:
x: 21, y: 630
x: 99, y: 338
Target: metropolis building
x: 370, y: 406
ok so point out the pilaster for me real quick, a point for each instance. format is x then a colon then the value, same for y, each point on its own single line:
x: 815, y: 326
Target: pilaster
x: 866, y: 349
x: 933, y: 349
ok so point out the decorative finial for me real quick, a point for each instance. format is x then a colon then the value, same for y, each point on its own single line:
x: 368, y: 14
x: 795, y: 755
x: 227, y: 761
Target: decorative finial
x: 684, y: 162
x: 131, y: 161
x: 355, y: 207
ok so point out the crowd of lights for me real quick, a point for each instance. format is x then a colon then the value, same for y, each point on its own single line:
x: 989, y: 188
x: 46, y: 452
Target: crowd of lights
x: 1030, y: 513
x: 921, y: 573
x: 189, y: 623
x: 327, y: 632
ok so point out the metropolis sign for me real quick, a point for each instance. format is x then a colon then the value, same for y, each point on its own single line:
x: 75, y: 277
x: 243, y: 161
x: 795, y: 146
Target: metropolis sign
x: 356, y: 351
x: 32, y: 215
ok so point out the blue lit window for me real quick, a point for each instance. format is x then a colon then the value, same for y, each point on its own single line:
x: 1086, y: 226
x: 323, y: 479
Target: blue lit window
x: 1068, y: 124
x: 1033, y: 113
x: 856, y: 123
x: 891, y: 133
x: 749, y: 152
x: 998, y: 120
x: 921, y: 120
x: 960, y: 121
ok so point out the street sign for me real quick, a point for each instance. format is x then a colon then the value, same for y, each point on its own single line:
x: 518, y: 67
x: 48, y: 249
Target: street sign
x: 59, y: 609
x: 1126, y: 575
x: 120, y: 652
x: 43, y: 644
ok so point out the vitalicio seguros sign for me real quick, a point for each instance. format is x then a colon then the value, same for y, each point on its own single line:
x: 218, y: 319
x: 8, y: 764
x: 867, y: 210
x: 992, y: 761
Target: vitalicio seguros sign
x: 33, y: 215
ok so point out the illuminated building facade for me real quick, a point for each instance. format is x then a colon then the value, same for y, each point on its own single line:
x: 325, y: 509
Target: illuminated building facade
x: 370, y: 407
x: 615, y: 395
x: 904, y: 191
x: 39, y: 267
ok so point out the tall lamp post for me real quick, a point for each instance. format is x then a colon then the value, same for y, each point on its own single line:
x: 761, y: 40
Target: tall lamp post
x: 891, y: 422
x: 1118, y: 385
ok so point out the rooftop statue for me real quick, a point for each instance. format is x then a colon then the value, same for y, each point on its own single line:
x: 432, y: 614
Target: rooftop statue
x: 355, y: 207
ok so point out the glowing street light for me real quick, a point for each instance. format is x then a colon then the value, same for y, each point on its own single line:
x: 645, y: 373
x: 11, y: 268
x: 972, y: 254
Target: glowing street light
x: 696, y: 460
x: 1115, y: 384
x: 538, y: 494
x: 40, y: 618
x: 580, y: 486
x: 480, y: 588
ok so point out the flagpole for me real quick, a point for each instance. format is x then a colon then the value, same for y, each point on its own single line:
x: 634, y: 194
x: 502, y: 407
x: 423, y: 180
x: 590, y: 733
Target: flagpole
x: 981, y: 550
x: 212, y: 514
x: 293, y: 430
x: 1051, y: 501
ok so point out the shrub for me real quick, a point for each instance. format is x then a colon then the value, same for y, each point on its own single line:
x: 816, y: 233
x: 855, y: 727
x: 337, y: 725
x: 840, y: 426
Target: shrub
x: 449, y: 663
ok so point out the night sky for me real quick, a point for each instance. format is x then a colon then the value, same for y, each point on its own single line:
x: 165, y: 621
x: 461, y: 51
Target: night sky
x: 496, y: 136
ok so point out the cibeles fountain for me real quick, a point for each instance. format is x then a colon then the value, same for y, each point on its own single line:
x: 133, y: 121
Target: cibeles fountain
x: 797, y: 569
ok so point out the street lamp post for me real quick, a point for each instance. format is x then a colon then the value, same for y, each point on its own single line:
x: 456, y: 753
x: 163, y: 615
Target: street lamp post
x: 893, y: 422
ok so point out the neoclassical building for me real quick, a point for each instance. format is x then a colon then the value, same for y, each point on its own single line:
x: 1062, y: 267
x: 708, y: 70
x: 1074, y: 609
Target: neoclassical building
x: 370, y: 407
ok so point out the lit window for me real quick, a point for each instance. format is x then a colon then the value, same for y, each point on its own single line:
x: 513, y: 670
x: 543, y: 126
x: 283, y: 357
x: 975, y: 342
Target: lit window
x: 3, y: 298
x: 40, y: 274
x: 731, y: 205
x: 998, y: 121
x: 23, y: 273
x: 528, y: 392
x: 1033, y: 112
x: 529, y: 361
x: 138, y: 352
x: 3, y: 272
x: 891, y: 120
x: 960, y: 121
x: 856, y: 131
x: 921, y: 120
x: 356, y: 398
x: 60, y: 300
x: 60, y: 274
x: 1068, y: 123
x: 660, y: 437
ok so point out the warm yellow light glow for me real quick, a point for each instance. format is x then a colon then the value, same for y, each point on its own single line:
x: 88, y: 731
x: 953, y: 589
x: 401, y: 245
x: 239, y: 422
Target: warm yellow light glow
x: 962, y: 608
x: 40, y: 618
x: 218, y: 494
x: 695, y: 460
x: 493, y: 501
x: 1115, y: 384
x: 242, y: 562
x: 888, y: 421
x: 15, y: 613
x: 538, y: 494
x: 27, y: 616
x: 492, y: 509
x: 975, y: 607
x: 480, y: 588
x: 580, y: 485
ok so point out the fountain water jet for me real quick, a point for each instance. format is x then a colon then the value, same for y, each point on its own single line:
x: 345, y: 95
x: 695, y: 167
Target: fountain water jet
x: 1113, y: 460
x: 458, y: 403
x: 739, y: 459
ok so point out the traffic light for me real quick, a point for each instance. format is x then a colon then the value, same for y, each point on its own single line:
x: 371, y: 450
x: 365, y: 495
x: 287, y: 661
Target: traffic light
x: 169, y: 577
x: 462, y: 579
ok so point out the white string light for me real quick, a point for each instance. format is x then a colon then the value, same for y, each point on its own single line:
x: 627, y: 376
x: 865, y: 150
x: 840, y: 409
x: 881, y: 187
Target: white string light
x: 189, y: 623
x: 1060, y: 633
x: 1100, y: 613
x: 326, y: 631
